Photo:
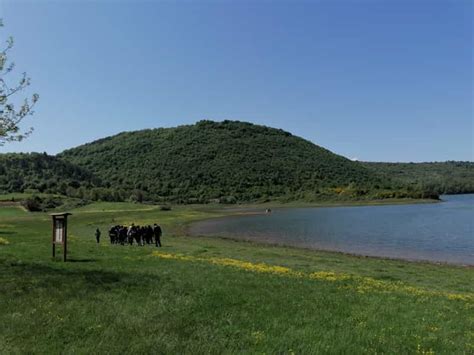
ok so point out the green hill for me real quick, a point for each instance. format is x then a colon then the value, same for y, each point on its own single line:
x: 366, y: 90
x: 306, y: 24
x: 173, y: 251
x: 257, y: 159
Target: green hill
x: 36, y: 172
x: 451, y: 177
x: 231, y: 161
x: 227, y: 161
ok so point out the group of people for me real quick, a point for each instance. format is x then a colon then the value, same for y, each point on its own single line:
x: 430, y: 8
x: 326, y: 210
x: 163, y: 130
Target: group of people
x: 139, y: 234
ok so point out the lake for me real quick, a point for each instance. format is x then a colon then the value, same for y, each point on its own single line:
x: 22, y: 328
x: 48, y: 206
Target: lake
x: 438, y: 232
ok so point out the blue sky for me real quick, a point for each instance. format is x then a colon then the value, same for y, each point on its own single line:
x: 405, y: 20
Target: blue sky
x: 373, y: 80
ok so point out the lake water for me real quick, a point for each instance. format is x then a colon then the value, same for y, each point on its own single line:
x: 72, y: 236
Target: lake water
x: 440, y: 232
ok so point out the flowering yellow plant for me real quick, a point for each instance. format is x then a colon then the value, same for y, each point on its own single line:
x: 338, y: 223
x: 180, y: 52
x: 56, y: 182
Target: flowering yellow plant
x: 360, y: 284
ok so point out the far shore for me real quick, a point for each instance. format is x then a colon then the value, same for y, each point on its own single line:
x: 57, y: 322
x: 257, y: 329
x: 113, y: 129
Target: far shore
x: 345, y: 203
x: 12, y: 200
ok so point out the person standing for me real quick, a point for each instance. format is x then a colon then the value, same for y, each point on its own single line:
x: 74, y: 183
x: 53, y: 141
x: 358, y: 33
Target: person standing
x: 97, y: 235
x: 157, y: 232
x: 131, y: 234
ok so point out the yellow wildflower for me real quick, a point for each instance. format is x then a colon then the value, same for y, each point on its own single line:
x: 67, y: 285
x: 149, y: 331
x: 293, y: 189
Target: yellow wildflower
x: 360, y: 284
x: 328, y: 276
x: 258, y: 336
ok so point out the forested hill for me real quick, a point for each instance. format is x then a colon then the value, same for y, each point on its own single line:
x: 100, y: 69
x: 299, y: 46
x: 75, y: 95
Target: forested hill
x: 36, y: 172
x: 226, y: 161
x: 451, y: 177
x: 233, y: 161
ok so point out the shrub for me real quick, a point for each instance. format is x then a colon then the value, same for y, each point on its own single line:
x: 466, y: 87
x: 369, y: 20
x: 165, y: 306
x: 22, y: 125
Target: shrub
x: 33, y: 204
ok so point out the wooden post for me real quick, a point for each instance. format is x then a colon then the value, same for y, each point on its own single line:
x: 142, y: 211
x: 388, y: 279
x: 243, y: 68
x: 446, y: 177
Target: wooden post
x: 52, y: 239
x: 65, y: 239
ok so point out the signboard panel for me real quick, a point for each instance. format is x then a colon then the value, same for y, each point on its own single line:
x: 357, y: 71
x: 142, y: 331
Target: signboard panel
x: 59, y: 231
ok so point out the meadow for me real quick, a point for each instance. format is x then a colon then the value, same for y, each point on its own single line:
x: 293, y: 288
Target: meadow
x: 210, y: 295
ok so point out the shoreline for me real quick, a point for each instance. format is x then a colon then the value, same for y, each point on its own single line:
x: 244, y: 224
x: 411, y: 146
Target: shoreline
x: 260, y: 243
x: 324, y: 204
x: 228, y: 210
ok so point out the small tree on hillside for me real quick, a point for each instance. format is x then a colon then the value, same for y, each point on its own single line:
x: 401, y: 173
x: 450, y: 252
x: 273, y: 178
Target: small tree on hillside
x: 11, y: 115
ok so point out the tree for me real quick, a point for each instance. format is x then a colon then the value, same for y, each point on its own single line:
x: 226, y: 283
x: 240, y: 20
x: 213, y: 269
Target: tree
x: 12, y: 115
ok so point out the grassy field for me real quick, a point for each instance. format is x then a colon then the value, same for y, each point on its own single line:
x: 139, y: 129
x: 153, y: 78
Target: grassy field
x: 204, y: 295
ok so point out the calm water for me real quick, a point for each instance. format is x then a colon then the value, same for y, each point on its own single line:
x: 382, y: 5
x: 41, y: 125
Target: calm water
x: 441, y: 232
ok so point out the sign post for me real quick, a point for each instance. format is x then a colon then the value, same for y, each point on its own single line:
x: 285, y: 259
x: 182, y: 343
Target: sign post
x: 60, y: 232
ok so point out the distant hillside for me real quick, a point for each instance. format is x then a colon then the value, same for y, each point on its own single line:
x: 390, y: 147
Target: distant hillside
x: 444, y: 178
x: 43, y: 173
x: 231, y: 161
x: 222, y: 161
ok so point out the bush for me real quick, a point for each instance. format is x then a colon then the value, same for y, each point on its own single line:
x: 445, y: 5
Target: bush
x: 33, y: 204
x: 51, y: 202
x: 228, y: 200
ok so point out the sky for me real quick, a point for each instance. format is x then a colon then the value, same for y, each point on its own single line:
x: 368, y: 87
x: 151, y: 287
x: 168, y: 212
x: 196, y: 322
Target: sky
x: 386, y: 80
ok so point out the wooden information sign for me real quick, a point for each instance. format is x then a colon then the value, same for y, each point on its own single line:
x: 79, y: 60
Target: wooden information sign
x: 60, y: 232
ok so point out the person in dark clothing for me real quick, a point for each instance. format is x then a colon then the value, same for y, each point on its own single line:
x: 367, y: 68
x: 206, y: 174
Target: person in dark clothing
x: 113, y: 234
x: 138, y: 236
x: 123, y: 235
x: 131, y: 232
x: 97, y: 235
x: 157, y: 233
x: 149, y: 234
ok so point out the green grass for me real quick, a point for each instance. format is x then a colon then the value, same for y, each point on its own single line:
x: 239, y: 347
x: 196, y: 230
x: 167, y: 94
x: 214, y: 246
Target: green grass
x: 12, y: 211
x: 19, y: 196
x: 115, y: 207
x: 201, y: 295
